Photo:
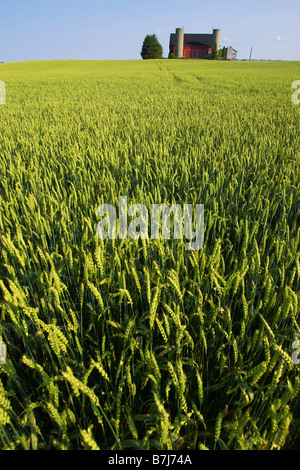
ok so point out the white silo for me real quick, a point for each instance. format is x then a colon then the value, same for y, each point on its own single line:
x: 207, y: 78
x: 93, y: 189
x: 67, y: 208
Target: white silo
x: 216, y: 38
x: 179, y: 43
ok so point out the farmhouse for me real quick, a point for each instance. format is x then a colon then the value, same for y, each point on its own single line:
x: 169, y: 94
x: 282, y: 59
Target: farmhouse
x: 196, y: 46
x: 231, y: 54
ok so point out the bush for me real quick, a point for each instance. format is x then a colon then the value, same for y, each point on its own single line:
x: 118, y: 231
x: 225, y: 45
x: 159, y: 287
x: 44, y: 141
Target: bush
x: 151, y: 48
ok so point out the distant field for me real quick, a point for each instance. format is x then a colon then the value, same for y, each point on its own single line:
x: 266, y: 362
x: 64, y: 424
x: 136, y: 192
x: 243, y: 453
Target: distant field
x: 142, y: 344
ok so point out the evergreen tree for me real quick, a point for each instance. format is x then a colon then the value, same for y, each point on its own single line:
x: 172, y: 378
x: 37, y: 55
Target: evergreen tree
x: 215, y: 51
x: 151, y: 48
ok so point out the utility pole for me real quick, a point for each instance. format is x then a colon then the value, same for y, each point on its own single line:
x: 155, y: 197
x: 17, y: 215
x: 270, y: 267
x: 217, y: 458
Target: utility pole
x: 250, y: 53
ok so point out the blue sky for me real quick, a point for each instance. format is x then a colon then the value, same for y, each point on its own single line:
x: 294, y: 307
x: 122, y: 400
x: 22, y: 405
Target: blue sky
x: 114, y: 29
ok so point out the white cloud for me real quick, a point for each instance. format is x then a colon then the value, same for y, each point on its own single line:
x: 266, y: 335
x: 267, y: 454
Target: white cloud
x: 226, y: 39
x: 280, y: 39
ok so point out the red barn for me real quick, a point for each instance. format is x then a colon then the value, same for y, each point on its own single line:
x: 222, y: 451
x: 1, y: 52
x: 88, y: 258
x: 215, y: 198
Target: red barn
x: 194, y: 46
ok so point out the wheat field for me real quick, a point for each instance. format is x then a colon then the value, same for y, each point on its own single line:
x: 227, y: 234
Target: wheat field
x: 141, y: 344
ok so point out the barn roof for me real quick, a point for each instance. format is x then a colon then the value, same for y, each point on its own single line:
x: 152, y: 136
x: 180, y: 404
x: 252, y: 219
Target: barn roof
x: 193, y: 40
x: 230, y: 47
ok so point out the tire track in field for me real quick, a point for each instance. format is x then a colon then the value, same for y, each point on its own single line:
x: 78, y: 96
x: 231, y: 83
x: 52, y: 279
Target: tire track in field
x: 177, y: 79
x: 183, y: 78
